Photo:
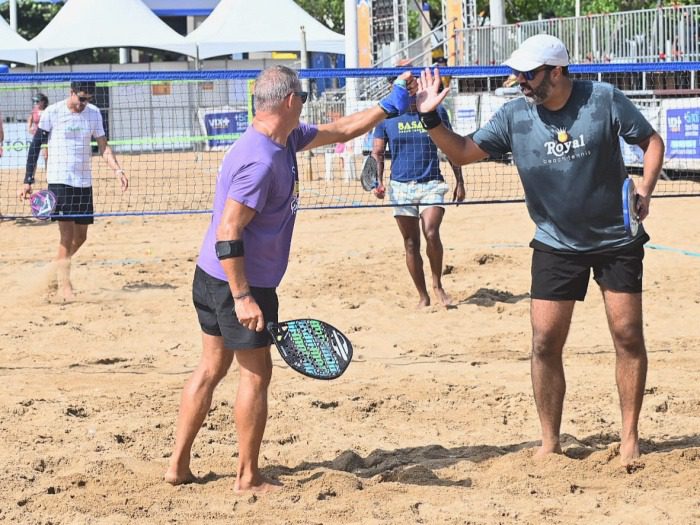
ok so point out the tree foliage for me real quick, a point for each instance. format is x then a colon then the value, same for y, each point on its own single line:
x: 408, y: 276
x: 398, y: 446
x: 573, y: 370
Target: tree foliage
x: 32, y: 17
x: 331, y: 13
x: 525, y: 10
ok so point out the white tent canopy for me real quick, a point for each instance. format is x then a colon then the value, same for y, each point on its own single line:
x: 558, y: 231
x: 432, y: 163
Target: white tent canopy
x: 244, y: 26
x: 14, y: 48
x: 87, y: 24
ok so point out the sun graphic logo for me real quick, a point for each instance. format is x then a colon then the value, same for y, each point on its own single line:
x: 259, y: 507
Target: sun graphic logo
x: 562, y: 135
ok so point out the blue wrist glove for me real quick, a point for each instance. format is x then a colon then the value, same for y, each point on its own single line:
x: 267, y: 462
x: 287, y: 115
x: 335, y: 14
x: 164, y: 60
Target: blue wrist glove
x: 396, y: 103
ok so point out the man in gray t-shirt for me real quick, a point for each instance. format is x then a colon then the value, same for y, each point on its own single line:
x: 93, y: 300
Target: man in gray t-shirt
x: 563, y: 135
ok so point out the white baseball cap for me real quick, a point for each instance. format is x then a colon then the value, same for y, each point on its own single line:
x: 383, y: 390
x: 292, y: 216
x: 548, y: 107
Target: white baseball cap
x: 537, y: 51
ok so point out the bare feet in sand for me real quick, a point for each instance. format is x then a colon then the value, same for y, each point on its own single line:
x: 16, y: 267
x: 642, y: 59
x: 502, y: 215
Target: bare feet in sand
x: 546, y: 449
x: 175, y: 478
x: 629, y: 452
x: 67, y: 293
x: 443, y: 296
x: 64, y: 283
x: 423, y: 302
x: 261, y: 485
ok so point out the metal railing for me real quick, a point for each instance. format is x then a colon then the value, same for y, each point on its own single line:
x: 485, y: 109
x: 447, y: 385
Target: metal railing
x: 651, y: 35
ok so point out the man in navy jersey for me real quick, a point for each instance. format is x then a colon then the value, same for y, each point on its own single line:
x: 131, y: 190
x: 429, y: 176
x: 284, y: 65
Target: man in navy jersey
x: 244, y: 257
x: 564, y: 137
x: 417, y: 191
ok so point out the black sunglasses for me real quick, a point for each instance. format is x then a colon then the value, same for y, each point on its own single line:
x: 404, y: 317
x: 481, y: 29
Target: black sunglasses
x: 84, y: 99
x: 303, y: 95
x: 530, y: 75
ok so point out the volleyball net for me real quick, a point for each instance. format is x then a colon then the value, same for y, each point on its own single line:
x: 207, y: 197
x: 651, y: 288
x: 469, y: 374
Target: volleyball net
x: 170, y: 130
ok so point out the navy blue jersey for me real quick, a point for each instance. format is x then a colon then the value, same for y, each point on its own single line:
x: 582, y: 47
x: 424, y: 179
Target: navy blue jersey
x: 414, y: 156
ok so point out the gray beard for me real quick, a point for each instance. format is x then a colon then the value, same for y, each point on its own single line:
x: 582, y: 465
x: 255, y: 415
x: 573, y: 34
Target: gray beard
x: 540, y: 94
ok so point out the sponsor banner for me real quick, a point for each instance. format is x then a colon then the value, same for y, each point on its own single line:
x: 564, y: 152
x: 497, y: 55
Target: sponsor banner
x: 222, y: 126
x: 15, y: 146
x: 683, y: 133
x: 464, y: 116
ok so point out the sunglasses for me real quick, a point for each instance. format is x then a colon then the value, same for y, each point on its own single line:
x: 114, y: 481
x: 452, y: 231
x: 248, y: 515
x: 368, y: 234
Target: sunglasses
x: 530, y: 75
x: 303, y: 95
x: 84, y: 99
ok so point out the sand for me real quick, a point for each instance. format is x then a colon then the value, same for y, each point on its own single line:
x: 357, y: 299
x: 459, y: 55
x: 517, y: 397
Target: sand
x: 433, y: 423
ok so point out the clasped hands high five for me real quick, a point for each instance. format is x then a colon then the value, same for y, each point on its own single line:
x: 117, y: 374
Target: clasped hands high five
x: 427, y: 89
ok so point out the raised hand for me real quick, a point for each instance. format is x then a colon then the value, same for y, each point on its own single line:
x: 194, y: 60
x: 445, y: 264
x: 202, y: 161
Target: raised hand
x: 430, y: 93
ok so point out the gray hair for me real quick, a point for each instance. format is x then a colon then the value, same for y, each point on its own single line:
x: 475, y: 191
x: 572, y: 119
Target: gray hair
x: 272, y: 85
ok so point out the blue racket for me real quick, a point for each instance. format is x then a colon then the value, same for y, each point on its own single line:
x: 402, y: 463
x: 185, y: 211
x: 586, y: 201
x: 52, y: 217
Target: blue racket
x: 42, y: 203
x: 629, y: 207
x: 312, y: 347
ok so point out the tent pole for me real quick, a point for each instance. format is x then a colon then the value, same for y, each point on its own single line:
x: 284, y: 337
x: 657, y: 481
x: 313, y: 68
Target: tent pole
x: 13, y: 15
x: 304, y: 62
x: 304, y: 65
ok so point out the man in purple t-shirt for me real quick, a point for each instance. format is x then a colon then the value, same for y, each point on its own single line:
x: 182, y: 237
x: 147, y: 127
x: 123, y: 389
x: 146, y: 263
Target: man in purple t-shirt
x: 244, y: 256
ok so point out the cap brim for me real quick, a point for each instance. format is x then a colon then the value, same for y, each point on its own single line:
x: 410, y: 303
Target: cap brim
x: 521, y: 63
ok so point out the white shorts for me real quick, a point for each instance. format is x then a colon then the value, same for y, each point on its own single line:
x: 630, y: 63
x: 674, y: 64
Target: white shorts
x: 409, y: 199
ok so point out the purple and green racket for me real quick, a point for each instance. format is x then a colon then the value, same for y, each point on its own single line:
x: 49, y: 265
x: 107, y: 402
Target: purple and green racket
x: 42, y: 203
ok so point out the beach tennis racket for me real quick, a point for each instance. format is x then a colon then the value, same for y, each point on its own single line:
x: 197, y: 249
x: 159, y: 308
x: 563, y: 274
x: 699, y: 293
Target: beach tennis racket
x: 629, y: 208
x: 368, y: 178
x: 42, y: 203
x: 312, y: 347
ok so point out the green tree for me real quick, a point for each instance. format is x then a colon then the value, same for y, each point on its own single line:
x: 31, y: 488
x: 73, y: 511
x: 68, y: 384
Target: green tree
x: 414, y: 16
x: 526, y: 10
x: 32, y: 17
x: 331, y: 13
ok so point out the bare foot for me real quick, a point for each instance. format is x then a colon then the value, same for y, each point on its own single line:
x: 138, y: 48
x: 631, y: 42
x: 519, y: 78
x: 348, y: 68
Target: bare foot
x: 262, y: 485
x: 68, y: 294
x: 546, y: 450
x: 629, y: 452
x: 423, y: 301
x: 63, y: 278
x: 443, y: 296
x: 172, y: 477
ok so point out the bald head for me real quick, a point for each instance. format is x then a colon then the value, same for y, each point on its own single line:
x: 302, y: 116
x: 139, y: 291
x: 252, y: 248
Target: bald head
x: 272, y: 85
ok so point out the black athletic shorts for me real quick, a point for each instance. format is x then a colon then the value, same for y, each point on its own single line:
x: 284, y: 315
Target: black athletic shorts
x: 214, y: 304
x: 73, y: 201
x: 558, y: 276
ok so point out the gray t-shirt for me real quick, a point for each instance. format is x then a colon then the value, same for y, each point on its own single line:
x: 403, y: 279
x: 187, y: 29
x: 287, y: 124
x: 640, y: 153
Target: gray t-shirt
x: 570, y: 163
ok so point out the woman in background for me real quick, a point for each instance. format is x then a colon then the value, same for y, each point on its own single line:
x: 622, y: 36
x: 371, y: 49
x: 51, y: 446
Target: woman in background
x: 40, y: 102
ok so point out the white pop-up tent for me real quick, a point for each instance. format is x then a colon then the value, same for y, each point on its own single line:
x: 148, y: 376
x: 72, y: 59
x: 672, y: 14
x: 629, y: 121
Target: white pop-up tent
x: 244, y: 26
x: 14, y: 48
x: 87, y: 24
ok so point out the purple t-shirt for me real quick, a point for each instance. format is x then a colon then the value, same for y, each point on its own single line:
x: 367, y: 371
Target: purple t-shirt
x: 262, y: 175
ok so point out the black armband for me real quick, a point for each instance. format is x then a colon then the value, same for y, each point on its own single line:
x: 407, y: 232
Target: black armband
x: 229, y: 249
x: 430, y: 120
x: 40, y: 137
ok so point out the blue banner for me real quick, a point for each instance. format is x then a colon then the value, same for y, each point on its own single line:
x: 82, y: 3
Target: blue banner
x: 224, y: 127
x: 683, y: 133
